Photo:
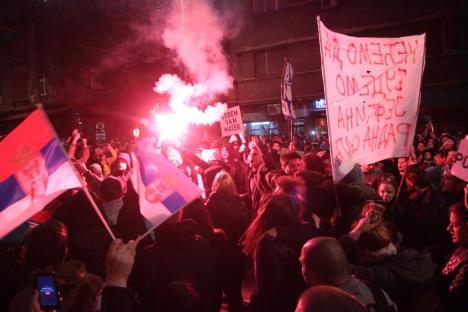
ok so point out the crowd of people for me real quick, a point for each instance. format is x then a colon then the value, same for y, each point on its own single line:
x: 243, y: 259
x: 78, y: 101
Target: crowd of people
x: 391, y: 236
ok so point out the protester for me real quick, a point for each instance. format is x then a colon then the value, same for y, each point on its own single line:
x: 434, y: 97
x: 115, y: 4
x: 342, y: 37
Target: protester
x: 218, y: 241
x: 276, y: 264
x: 121, y: 210
x: 88, y: 240
x: 387, y: 190
x: 179, y: 256
x: 324, y: 263
x: 258, y: 186
x: 229, y: 212
x: 271, y: 199
x: 46, y: 252
x: 453, y: 282
x: 402, y: 163
x: 291, y: 163
x: 403, y: 273
x: 452, y: 189
x: 371, y: 172
x: 424, y: 217
x: 82, y: 153
x: 106, y: 155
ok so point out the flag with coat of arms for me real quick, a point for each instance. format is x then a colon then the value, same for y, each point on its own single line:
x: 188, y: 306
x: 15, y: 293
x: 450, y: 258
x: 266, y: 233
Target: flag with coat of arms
x: 34, y: 170
x: 162, y: 188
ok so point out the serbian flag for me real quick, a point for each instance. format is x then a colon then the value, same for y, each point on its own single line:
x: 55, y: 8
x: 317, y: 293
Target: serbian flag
x: 34, y: 171
x: 162, y: 188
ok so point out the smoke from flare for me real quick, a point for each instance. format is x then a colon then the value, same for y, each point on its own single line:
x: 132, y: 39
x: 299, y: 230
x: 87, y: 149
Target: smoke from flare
x: 195, y: 32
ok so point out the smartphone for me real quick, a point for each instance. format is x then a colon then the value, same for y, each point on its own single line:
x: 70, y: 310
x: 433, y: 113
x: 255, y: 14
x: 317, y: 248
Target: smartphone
x: 48, y: 294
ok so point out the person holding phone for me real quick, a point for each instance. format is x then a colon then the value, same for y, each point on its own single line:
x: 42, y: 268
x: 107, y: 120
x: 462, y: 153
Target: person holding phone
x: 47, y: 292
x: 41, y: 302
x: 56, y: 281
x: 116, y: 297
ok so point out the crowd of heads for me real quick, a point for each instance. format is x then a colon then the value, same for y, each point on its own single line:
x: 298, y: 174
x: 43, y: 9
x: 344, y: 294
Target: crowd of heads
x: 269, y: 210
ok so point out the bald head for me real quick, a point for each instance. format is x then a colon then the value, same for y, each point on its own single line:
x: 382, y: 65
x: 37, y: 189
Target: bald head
x: 328, y: 299
x: 324, y: 262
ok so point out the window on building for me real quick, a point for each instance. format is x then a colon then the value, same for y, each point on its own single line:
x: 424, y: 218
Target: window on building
x: 262, y: 6
x: 269, y: 63
x: 260, y: 64
x: 275, y: 61
x: 298, y: 126
x: 245, y: 65
x: 262, y: 128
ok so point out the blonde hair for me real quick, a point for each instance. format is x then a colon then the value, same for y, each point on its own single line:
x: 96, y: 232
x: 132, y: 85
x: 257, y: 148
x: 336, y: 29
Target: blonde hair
x: 223, y: 182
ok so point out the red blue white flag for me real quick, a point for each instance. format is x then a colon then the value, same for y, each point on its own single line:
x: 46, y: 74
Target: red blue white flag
x: 162, y: 188
x: 34, y: 171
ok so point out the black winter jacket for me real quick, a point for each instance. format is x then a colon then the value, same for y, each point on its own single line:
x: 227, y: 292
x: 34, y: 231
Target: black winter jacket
x: 278, y: 271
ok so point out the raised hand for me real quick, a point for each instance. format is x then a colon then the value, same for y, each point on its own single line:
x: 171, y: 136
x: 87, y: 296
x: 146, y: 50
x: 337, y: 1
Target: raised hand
x: 119, y: 262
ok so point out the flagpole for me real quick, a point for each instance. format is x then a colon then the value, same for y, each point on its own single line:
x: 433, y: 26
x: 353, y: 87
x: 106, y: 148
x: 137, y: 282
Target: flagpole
x: 401, y: 182
x: 85, y: 189
x: 291, y: 129
x: 404, y: 174
x: 327, y: 102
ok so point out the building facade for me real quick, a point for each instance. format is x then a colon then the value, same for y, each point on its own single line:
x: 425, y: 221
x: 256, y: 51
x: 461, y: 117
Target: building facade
x: 275, y: 29
x: 74, y: 57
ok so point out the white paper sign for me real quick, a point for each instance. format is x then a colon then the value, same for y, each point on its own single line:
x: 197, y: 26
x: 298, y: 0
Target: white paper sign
x: 460, y: 167
x: 231, y: 123
x: 372, y: 89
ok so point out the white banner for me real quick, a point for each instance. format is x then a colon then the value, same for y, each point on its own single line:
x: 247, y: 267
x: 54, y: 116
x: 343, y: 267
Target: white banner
x: 372, y: 90
x: 460, y: 167
x: 231, y: 123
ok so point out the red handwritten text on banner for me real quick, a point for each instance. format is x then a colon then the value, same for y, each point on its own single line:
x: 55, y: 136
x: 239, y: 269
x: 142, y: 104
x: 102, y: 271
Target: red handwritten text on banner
x: 372, y: 89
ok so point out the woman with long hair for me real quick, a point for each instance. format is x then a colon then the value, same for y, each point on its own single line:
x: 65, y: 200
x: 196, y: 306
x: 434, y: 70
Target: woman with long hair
x: 276, y: 262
